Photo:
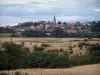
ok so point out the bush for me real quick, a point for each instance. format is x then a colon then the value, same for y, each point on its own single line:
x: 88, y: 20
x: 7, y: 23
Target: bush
x: 74, y: 45
x: 61, y: 50
x: 81, y: 48
x: 26, y: 74
x: 45, y: 45
x: 54, y: 50
x: 18, y: 73
x: 38, y: 49
x: 70, y: 47
x: 22, y: 43
x: 80, y: 60
x: 90, y: 38
x: 76, y: 40
x: 71, y: 52
x: 80, y: 45
x: 94, y: 51
x: 4, y: 73
x: 85, y: 40
x: 30, y: 42
x: 35, y: 46
x: 12, y: 53
x: 80, y: 53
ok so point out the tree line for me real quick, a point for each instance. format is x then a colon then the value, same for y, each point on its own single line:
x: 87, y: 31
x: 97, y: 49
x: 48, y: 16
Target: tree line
x: 57, y: 32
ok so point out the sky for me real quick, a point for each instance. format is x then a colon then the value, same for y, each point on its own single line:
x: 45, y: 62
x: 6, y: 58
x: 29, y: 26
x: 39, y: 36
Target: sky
x: 13, y: 12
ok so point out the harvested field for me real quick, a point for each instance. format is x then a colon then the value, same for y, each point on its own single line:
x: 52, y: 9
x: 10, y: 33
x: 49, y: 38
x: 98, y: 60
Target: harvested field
x: 80, y: 70
x: 55, y: 43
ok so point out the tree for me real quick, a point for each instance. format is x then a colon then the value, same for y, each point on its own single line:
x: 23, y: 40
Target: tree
x: 78, y: 23
x: 59, y: 22
x: 11, y: 54
x: 36, y: 59
x: 94, y: 51
x: 58, y: 32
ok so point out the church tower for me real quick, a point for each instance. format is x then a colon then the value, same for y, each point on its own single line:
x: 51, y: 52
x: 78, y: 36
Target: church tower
x: 54, y: 19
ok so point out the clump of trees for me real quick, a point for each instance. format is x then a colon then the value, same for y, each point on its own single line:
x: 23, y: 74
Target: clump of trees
x: 10, y: 53
x: 5, y: 30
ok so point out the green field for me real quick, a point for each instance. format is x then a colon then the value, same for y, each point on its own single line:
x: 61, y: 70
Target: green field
x: 30, y: 39
x: 5, y: 34
x: 40, y: 40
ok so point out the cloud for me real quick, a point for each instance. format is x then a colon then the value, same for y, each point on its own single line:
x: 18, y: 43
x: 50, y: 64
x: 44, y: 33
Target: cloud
x: 97, y: 10
x: 19, y: 1
x: 9, y: 20
x: 70, y: 18
x: 25, y: 10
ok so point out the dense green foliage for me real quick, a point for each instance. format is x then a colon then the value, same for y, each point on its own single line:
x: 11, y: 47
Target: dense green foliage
x: 13, y: 56
x: 5, y: 30
x: 57, y: 32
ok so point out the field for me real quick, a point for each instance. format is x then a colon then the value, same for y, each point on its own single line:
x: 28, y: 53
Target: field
x: 43, y: 40
x: 5, y: 34
x: 80, y: 70
x: 55, y: 43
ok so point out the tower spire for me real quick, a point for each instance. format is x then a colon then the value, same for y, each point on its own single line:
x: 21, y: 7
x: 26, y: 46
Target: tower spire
x: 54, y: 19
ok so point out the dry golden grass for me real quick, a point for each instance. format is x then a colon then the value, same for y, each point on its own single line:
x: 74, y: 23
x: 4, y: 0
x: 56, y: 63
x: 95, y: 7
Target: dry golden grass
x: 55, y: 43
x: 80, y: 70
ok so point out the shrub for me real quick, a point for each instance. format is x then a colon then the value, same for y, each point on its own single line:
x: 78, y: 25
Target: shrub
x: 80, y: 53
x: 70, y: 47
x: 30, y: 42
x: 18, y: 73
x: 80, y: 45
x: 76, y: 40
x: 90, y: 38
x: 45, y: 45
x: 38, y: 49
x: 26, y: 74
x: 49, y: 51
x: 71, y: 52
x: 4, y: 73
x: 86, y: 47
x: 61, y: 50
x: 77, y: 54
x: 35, y: 46
x: 80, y: 60
x: 85, y: 40
x: 74, y: 45
x: 22, y: 43
x: 54, y: 50
x: 81, y: 48
x: 83, y: 44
